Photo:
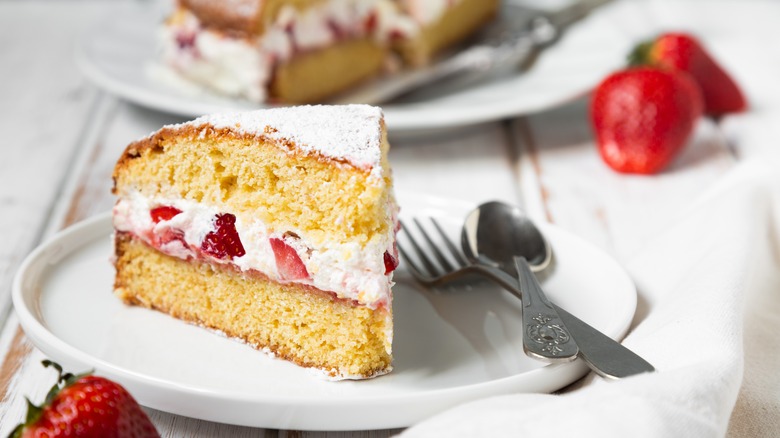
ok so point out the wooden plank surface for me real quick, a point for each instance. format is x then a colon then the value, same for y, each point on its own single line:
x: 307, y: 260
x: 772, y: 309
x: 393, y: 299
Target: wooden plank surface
x: 46, y: 111
x: 43, y: 121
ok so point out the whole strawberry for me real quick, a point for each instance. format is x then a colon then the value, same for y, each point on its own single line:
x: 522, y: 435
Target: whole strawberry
x: 85, y: 406
x: 643, y: 116
x: 683, y: 52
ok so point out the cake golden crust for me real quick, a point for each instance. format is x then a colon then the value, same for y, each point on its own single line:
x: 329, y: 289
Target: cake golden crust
x: 309, y: 329
x: 158, y: 139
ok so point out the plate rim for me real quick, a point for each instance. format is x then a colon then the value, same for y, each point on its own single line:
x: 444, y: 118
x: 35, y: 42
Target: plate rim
x: 85, y: 232
x: 403, y: 118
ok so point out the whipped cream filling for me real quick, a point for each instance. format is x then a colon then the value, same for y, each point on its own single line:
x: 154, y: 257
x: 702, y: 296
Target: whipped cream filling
x: 350, y: 271
x: 243, y: 66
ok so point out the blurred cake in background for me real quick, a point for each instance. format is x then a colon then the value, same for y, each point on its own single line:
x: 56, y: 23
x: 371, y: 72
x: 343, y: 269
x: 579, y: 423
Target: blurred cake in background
x: 292, y: 50
x: 300, y: 51
x: 440, y: 24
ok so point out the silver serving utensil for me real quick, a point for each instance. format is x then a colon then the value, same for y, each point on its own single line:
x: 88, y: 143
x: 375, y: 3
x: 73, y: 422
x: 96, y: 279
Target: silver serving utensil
x: 505, y: 46
x: 498, y: 233
x: 501, y: 238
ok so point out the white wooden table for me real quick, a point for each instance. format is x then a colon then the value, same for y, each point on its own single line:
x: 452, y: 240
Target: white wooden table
x: 61, y: 137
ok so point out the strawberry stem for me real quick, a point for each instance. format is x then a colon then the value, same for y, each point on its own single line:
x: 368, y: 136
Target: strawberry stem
x: 48, y: 363
x: 640, y: 55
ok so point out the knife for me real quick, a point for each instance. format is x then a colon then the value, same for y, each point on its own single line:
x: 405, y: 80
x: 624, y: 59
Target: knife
x: 506, y: 45
x: 607, y: 357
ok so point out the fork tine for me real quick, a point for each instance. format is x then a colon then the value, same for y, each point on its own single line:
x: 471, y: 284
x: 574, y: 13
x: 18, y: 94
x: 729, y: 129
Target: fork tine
x: 433, y: 271
x: 433, y: 246
x: 416, y: 269
x: 457, y: 255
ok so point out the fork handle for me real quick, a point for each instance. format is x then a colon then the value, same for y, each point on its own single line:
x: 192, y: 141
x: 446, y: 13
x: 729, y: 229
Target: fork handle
x: 545, y: 335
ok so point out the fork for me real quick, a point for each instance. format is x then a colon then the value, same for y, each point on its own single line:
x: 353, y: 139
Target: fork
x: 544, y: 335
x: 607, y: 357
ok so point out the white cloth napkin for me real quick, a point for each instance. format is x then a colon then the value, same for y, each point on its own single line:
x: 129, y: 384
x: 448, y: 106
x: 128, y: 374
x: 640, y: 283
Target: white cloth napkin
x: 709, y: 316
x: 711, y: 286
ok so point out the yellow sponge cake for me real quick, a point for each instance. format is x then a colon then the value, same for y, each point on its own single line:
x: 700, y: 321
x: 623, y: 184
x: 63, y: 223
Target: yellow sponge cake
x: 276, y: 227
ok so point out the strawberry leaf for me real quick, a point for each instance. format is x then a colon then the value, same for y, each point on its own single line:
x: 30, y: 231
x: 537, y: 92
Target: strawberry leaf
x: 640, y: 55
x: 33, y: 412
x: 17, y: 432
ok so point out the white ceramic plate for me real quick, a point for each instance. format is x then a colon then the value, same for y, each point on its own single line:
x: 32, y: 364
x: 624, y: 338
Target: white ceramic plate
x: 118, y: 53
x: 451, y: 345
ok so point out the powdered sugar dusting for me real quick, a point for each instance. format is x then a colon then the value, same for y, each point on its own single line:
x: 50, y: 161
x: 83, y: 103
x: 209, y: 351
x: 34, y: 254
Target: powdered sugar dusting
x: 350, y: 133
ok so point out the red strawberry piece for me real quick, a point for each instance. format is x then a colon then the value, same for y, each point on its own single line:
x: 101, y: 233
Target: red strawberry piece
x: 223, y: 242
x: 370, y: 23
x: 185, y: 40
x: 396, y: 35
x: 683, y: 52
x: 391, y: 263
x: 642, y: 117
x: 163, y: 213
x: 288, y: 262
x: 86, y: 406
x: 336, y: 30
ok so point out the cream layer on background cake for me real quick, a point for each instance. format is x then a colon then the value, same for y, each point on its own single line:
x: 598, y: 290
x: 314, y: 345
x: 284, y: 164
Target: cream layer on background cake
x: 276, y: 227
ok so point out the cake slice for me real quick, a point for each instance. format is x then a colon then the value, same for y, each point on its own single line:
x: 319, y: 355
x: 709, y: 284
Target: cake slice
x: 275, y: 227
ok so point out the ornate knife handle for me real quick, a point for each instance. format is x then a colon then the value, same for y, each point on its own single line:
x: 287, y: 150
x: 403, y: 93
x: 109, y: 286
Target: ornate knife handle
x: 545, y: 336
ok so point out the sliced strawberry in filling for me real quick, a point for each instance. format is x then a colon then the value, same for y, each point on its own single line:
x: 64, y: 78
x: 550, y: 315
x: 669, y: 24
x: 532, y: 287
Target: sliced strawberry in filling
x: 186, y: 40
x: 390, y: 263
x: 163, y: 213
x: 288, y: 262
x: 223, y: 242
x: 370, y: 23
